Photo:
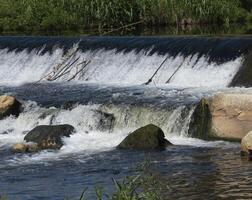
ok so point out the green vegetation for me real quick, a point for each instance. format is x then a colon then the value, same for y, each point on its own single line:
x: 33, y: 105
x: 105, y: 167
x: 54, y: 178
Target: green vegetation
x: 147, y: 185
x: 58, y: 15
x: 3, y: 197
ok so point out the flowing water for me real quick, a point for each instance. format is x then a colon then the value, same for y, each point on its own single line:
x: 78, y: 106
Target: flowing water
x: 108, y: 98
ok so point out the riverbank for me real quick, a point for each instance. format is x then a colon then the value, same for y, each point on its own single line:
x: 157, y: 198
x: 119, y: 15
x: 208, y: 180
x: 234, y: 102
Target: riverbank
x: 75, y: 15
x: 233, y: 29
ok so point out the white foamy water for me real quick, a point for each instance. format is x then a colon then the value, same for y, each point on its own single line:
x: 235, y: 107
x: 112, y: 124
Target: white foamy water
x: 112, y: 67
x: 89, y: 139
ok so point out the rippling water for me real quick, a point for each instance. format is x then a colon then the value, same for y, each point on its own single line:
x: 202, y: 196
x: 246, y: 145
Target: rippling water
x: 210, y: 171
x: 192, y: 168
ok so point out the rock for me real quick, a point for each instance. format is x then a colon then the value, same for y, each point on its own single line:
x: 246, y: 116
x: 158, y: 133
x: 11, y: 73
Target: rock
x: 105, y: 121
x: 224, y: 116
x: 19, y: 148
x: 243, y: 76
x: 246, y: 145
x: 25, y: 148
x: 69, y: 105
x: 149, y: 137
x: 201, y: 120
x: 9, y: 106
x: 49, y: 137
x: 50, y: 113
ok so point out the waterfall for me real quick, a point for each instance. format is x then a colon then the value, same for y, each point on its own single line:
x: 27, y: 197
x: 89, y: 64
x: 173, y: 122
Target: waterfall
x: 189, y: 61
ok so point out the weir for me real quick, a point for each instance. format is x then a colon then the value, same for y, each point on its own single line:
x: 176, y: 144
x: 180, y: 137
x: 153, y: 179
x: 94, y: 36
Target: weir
x: 187, y: 61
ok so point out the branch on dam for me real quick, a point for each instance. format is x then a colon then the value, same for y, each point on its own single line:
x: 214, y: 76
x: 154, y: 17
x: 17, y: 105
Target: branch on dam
x: 150, y: 80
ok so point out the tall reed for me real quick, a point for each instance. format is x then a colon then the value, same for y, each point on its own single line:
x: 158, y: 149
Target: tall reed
x: 76, y: 14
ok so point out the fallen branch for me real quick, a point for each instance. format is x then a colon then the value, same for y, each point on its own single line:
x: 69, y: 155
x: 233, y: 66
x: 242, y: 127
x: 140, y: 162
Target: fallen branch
x: 68, y: 71
x: 65, y: 59
x: 83, y: 67
x: 49, y: 75
x: 174, y: 73
x: 150, y: 80
x: 64, y: 69
x: 123, y: 27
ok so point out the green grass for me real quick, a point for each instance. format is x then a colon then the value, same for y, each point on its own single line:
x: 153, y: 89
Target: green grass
x: 146, y: 185
x: 3, y: 197
x: 55, y: 15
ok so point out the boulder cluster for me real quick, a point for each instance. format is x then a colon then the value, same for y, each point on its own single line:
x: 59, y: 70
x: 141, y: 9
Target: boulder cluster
x: 225, y: 116
x: 149, y: 137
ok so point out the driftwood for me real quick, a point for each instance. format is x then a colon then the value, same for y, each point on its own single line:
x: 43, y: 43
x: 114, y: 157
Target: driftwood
x: 66, y: 58
x: 85, y: 62
x: 65, y: 62
x: 123, y: 27
x: 168, y: 81
x: 63, y: 70
x: 64, y: 67
x: 79, y: 71
x: 150, y: 80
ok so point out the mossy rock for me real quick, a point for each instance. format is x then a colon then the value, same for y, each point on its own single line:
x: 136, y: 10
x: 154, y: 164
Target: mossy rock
x: 149, y: 137
x: 200, y: 124
x: 243, y: 76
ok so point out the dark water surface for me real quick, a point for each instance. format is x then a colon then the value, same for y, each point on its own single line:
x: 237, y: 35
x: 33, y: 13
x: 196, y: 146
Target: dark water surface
x: 192, y: 173
x: 215, y: 29
x: 56, y: 94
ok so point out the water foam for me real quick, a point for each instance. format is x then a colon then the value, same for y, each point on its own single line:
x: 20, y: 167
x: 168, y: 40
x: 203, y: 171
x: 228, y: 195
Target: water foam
x: 113, y: 67
x: 88, y: 139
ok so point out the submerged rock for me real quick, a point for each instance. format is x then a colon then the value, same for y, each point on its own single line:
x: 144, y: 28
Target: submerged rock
x: 9, y: 106
x: 106, y: 121
x: 149, y: 137
x: 69, y: 105
x: 50, y: 114
x: 246, y: 145
x: 49, y: 137
x: 224, y: 116
x: 25, y: 148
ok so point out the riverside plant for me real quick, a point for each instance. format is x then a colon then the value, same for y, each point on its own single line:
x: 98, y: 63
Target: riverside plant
x: 26, y: 15
x: 145, y: 186
x: 3, y: 197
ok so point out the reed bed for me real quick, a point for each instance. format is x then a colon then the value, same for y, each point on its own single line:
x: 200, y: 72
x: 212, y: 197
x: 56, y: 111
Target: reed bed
x: 81, y: 14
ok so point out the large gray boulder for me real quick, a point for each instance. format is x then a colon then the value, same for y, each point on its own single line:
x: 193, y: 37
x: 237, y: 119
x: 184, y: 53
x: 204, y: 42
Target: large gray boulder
x: 9, y: 106
x: 224, y: 116
x: 49, y: 137
x: 149, y: 137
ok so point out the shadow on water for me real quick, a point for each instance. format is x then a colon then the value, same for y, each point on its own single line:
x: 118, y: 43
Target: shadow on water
x: 140, y: 30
